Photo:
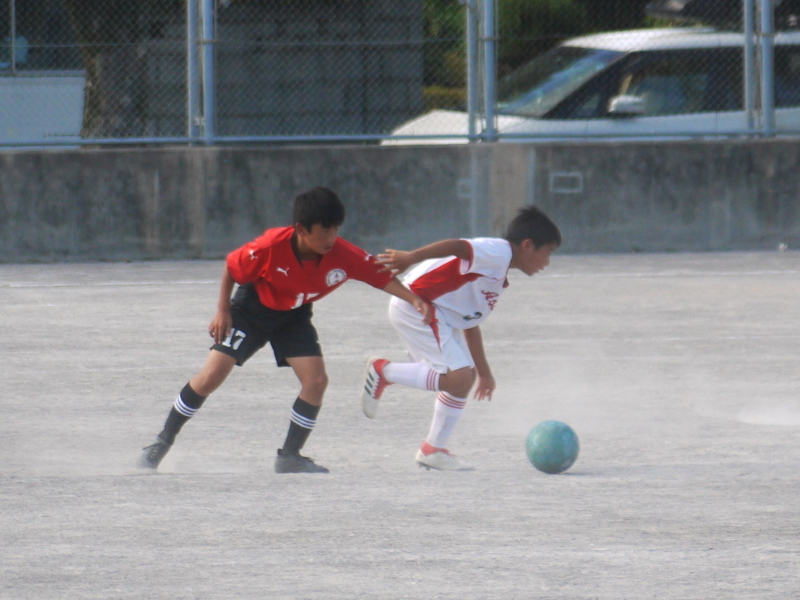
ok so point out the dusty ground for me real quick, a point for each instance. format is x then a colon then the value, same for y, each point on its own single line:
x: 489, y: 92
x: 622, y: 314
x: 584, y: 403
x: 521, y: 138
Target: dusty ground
x: 678, y: 372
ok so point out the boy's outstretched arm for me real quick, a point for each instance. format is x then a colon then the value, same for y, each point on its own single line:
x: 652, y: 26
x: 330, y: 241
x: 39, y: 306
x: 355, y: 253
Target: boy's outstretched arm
x: 398, y: 261
x: 220, y: 325
x: 395, y: 288
x: 485, y: 385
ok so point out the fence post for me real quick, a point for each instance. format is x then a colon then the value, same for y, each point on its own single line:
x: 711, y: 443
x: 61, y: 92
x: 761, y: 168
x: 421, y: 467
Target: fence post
x: 767, y: 69
x: 489, y: 91
x: 208, y: 70
x: 472, y: 66
x: 192, y: 81
x: 13, y: 35
x: 749, y: 63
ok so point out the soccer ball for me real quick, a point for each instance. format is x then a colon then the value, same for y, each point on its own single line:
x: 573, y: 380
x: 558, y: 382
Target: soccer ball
x: 552, y: 447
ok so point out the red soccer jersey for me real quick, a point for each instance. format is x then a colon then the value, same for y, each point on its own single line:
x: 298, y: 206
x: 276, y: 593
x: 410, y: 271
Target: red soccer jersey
x: 283, y: 282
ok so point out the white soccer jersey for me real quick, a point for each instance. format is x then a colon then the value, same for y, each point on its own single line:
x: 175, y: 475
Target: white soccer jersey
x: 464, y: 292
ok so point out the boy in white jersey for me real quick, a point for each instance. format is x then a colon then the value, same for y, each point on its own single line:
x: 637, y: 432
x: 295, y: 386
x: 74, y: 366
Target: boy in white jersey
x: 462, y: 280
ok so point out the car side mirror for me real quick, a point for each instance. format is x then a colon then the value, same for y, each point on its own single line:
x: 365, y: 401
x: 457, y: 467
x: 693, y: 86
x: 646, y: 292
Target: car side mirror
x: 626, y: 106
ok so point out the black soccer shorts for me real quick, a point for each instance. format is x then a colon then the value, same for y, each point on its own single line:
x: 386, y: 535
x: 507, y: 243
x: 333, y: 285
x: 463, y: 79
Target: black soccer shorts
x: 289, y: 332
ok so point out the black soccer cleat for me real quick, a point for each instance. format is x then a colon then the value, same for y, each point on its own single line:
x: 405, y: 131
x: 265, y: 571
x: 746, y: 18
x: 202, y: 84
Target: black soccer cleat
x: 153, y: 454
x: 294, y: 463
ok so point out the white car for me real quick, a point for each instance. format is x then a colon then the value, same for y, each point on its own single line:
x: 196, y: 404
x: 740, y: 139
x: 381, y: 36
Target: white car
x: 649, y: 82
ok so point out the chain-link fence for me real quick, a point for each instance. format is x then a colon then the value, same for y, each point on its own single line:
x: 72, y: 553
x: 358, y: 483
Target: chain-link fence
x: 224, y: 71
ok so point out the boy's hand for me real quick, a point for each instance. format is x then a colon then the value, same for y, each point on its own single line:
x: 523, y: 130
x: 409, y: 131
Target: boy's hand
x: 484, y: 387
x: 396, y: 288
x: 395, y: 261
x: 424, y: 309
x: 220, y: 326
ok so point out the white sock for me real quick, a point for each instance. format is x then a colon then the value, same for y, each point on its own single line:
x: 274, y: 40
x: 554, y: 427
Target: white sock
x: 446, y: 413
x: 415, y: 375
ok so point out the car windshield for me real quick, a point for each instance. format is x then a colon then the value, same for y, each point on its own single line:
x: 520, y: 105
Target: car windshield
x: 535, y: 88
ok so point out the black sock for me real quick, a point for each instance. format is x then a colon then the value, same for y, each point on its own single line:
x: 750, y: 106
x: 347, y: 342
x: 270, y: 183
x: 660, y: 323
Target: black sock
x: 186, y: 405
x: 304, y: 417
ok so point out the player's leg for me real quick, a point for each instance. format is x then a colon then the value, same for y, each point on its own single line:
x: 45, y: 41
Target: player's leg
x: 447, y: 410
x: 296, y: 345
x: 213, y: 373
x: 451, y: 355
x: 310, y: 370
x: 442, y: 362
x: 245, y: 339
x: 457, y: 383
x: 419, y: 340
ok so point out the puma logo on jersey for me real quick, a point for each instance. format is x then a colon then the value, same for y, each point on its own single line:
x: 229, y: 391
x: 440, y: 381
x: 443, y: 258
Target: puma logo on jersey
x: 284, y: 271
x: 253, y: 255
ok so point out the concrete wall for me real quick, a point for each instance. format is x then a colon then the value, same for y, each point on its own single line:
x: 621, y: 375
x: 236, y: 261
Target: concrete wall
x: 670, y: 197
x: 134, y: 204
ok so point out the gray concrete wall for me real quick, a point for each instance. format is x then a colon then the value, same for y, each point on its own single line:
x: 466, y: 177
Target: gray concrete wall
x: 669, y: 197
x: 134, y: 204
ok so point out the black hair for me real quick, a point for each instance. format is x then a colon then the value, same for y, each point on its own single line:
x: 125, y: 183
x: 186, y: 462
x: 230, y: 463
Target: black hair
x: 318, y: 205
x: 532, y: 224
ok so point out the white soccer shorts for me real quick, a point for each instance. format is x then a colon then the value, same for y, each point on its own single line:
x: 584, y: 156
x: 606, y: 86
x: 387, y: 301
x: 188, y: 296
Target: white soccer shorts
x: 438, y: 345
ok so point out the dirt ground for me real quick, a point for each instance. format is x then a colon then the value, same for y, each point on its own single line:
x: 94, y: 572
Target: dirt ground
x: 679, y: 373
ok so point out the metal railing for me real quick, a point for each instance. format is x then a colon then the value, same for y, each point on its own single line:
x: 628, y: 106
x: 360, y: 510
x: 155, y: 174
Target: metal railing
x: 310, y: 71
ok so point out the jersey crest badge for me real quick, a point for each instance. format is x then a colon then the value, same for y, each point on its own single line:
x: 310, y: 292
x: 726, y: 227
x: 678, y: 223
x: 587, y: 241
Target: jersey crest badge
x: 335, y: 276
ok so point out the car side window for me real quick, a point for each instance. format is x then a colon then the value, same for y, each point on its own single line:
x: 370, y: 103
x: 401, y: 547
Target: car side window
x: 787, y: 76
x: 671, y: 82
x: 591, y: 100
x: 665, y: 88
x: 725, y: 91
x: 685, y: 81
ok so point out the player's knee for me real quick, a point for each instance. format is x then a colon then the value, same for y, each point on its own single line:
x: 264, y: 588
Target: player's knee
x: 316, y: 383
x: 459, y: 382
x: 468, y: 380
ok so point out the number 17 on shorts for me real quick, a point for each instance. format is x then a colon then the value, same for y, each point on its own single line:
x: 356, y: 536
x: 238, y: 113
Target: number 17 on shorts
x: 234, y: 339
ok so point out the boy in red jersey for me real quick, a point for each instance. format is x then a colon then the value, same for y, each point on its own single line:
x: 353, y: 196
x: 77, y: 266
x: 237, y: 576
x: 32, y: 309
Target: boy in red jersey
x: 280, y: 274
x: 462, y: 279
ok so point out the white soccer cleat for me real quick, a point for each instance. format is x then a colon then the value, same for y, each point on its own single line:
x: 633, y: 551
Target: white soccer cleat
x: 440, y: 459
x: 374, y: 384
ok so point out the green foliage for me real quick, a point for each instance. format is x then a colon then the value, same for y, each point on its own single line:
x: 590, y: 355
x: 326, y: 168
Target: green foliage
x: 445, y: 23
x: 444, y: 19
x: 448, y: 98
x: 611, y: 15
x: 529, y: 27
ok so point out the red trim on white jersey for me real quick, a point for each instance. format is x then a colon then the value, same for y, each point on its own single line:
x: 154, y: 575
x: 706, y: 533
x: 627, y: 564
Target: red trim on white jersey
x: 442, y: 280
x: 434, y: 325
x: 464, y: 292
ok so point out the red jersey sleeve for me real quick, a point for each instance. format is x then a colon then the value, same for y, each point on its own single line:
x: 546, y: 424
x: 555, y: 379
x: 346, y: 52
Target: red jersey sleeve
x: 362, y: 266
x: 250, y: 262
